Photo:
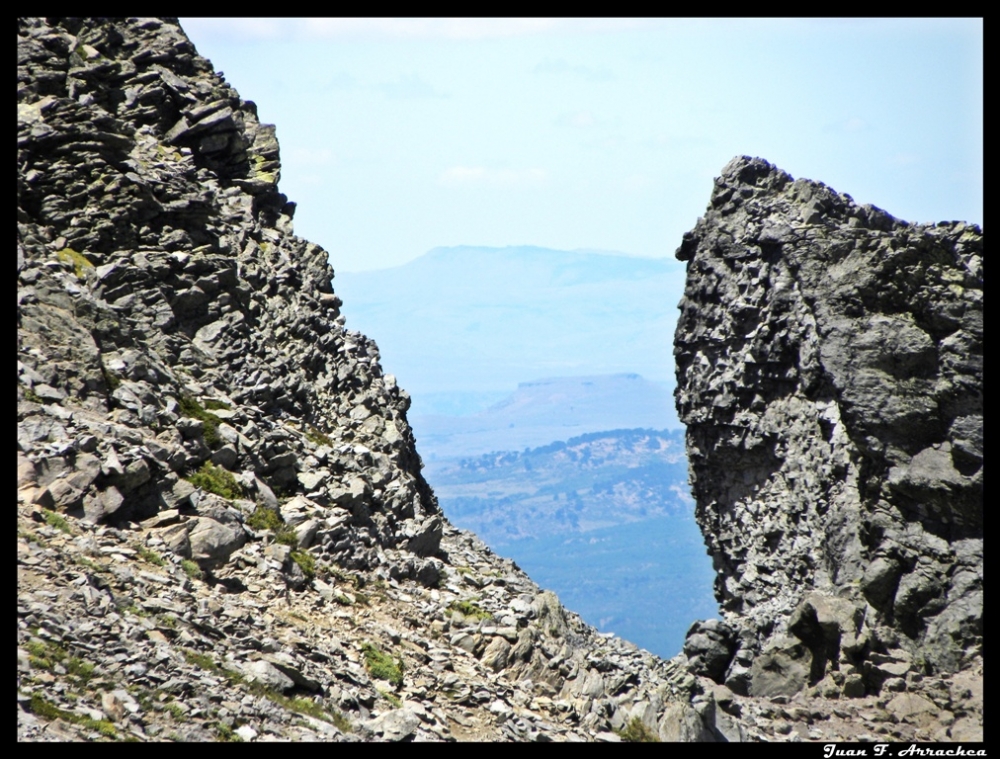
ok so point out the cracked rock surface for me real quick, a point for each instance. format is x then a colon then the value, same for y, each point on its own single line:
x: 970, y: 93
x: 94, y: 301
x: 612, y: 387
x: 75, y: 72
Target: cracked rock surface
x: 829, y: 365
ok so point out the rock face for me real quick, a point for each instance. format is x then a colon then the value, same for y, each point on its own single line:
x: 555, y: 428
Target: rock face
x: 223, y: 531
x: 829, y: 367
x: 163, y: 291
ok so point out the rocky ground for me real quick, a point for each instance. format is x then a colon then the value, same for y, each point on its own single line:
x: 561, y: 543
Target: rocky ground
x: 119, y: 638
x: 127, y: 640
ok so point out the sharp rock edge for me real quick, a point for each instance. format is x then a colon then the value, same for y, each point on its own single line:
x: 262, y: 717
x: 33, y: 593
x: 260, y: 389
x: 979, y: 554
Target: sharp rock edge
x: 829, y: 372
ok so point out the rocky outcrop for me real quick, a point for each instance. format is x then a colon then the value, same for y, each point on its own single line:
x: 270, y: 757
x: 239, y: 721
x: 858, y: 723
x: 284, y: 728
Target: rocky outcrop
x: 162, y: 291
x: 223, y: 531
x: 829, y: 366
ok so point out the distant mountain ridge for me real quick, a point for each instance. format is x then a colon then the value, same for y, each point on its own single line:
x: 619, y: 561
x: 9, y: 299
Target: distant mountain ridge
x: 592, y: 481
x: 543, y: 410
x: 481, y: 320
x: 605, y: 518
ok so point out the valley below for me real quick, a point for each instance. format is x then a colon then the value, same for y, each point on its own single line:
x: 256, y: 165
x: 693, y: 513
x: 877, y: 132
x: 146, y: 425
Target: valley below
x: 604, y: 520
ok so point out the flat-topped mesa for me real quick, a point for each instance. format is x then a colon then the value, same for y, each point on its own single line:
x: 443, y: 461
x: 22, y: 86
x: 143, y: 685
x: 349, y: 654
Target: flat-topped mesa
x: 829, y: 372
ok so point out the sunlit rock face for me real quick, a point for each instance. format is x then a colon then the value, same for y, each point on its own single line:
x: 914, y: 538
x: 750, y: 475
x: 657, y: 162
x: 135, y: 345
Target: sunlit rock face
x: 829, y: 368
x: 161, y: 276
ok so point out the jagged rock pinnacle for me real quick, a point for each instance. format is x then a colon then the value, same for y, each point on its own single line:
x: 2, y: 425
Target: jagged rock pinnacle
x: 829, y: 366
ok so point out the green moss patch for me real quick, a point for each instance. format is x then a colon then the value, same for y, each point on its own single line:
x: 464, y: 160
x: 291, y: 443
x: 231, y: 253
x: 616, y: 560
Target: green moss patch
x: 80, y: 262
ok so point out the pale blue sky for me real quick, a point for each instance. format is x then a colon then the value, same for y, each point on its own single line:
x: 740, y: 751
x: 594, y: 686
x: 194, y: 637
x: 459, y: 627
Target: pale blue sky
x: 398, y: 136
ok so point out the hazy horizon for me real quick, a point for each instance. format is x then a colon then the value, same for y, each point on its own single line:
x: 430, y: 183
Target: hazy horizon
x: 401, y: 135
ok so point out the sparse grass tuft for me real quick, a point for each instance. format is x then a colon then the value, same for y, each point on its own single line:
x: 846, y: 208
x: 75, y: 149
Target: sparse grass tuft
x: 151, y: 556
x: 191, y: 408
x: 80, y: 669
x: 306, y: 562
x: 307, y: 706
x: 40, y: 656
x: 93, y: 566
x: 47, y: 710
x: 216, y: 479
x: 29, y: 536
x: 637, y: 732
x: 202, y: 661
x: 226, y: 734
x: 192, y: 570
x: 31, y: 395
x: 299, y: 704
x: 264, y: 518
x: 469, y: 609
x: 391, y: 698
x: 382, y: 666
x: 46, y: 655
x: 340, y: 721
x: 313, y: 435
x: 52, y: 519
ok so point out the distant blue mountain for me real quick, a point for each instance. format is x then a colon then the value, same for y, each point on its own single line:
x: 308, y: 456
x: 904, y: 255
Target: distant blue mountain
x: 461, y: 326
x: 544, y: 410
x: 604, y: 518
